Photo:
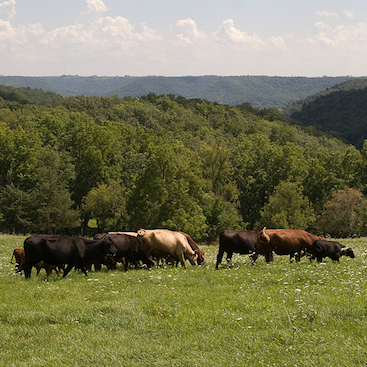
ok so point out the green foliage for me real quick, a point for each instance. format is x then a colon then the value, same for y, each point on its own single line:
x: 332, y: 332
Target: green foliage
x: 343, y: 215
x: 168, y: 192
x: 296, y: 106
x: 287, y: 208
x: 26, y: 95
x: 341, y: 112
x: 187, y: 165
x: 107, y: 204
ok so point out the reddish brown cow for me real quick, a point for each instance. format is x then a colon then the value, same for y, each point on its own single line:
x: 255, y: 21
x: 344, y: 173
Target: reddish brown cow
x: 19, y: 255
x: 284, y: 242
x: 195, y: 247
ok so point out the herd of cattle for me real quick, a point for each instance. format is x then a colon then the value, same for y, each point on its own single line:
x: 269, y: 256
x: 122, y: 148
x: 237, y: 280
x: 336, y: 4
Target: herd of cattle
x: 54, y: 252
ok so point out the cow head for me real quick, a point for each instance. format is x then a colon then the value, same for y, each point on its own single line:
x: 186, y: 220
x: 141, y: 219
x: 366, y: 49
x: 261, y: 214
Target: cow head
x: 193, y: 259
x: 348, y: 252
x: 200, y: 257
x: 108, y: 247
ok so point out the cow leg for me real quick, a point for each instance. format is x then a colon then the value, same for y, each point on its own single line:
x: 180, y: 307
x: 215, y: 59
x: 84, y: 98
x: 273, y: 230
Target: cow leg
x: 254, y: 257
x: 219, y: 257
x: 27, y: 270
x: 67, y: 270
x: 268, y: 256
x: 125, y: 263
x: 229, y: 257
x: 182, y: 260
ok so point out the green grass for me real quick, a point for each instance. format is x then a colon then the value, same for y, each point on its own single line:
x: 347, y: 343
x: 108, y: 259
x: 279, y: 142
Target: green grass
x: 298, y: 314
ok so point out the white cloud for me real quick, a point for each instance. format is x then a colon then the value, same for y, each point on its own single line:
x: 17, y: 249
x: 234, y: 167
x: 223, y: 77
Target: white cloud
x: 327, y: 14
x: 97, y: 43
x: 7, y: 10
x: 189, y: 32
x: 94, y: 9
x: 348, y: 13
x: 228, y: 33
x: 352, y: 37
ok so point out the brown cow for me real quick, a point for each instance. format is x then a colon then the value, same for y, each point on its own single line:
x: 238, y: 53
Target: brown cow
x: 195, y: 247
x: 284, y: 242
x: 19, y: 255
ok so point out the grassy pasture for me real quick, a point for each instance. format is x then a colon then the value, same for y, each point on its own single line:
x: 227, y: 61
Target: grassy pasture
x: 298, y: 314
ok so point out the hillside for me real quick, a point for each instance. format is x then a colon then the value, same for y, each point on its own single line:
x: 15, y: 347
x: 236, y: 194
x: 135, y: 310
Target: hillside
x: 296, y: 106
x: 158, y: 161
x: 259, y: 91
x: 25, y: 95
x: 342, y: 112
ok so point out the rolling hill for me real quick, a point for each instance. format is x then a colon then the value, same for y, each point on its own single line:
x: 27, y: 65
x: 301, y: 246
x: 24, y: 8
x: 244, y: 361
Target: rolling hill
x: 259, y: 91
x: 341, y: 111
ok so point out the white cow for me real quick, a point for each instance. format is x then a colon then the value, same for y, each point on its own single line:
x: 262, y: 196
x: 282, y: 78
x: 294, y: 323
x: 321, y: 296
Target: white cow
x: 165, y: 243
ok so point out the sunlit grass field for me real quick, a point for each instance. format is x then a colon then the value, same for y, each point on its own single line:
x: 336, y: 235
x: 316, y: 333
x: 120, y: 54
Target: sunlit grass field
x: 283, y: 314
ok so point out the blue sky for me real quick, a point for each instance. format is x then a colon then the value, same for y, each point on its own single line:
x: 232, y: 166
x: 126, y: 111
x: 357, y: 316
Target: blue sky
x: 176, y: 38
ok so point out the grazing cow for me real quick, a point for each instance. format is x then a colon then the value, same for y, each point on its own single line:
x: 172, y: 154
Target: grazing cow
x: 74, y: 251
x: 284, y: 242
x: 239, y: 242
x: 332, y: 249
x: 19, y: 256
x: 20, y: 259
x: 195, y: 247
x: 163, y: 243
x: 130, y: 250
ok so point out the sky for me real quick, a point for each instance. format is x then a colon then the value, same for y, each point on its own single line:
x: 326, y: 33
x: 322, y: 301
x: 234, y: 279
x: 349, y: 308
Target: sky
x: 309, y: 38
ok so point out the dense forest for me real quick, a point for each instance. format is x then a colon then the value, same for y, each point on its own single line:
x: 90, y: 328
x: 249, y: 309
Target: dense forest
x: 341, y: 112
x: 85, y: 163
x: 260, y: 91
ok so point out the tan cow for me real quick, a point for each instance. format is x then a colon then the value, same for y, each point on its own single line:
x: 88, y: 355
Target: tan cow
x: 165, y: 243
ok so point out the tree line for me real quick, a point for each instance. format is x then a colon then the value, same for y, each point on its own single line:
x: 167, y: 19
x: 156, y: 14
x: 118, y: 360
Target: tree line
x: 259, y: 90
x: 84, y: 164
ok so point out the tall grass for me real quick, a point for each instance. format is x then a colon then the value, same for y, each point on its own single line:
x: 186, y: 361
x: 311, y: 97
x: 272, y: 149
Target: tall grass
x: 283, y: 314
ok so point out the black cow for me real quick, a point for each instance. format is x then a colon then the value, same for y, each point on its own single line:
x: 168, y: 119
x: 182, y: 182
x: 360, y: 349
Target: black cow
x: 239, y: 242
x: 74, y: 251
x: 130, y: 250
x: 332, y: 249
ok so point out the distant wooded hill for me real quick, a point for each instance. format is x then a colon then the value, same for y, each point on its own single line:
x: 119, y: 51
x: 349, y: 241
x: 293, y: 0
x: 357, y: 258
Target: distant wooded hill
x: 341, y: 111
x: 259, y: 91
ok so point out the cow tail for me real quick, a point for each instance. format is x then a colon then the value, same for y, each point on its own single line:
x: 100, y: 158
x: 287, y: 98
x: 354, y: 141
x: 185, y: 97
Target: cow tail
x: 263, y: 237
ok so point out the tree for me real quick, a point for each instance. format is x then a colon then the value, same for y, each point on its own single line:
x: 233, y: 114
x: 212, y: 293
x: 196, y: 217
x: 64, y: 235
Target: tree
x: 15, y: 210
x: 168, y: 192
x: 107, y: 204
x: 340, y: 215
x: 221, y: 215
x: 287, y: 208
x: 52, y: 206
